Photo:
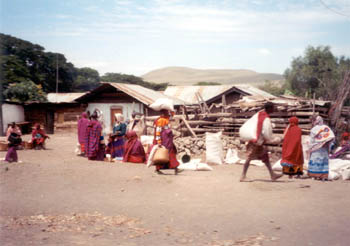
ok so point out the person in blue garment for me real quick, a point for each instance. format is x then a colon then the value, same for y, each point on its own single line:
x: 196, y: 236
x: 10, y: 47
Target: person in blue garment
x: 115, y: 146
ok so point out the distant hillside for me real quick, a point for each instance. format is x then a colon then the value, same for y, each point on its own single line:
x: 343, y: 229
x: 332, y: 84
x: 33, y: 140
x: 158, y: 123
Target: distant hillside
x: 188, y: 76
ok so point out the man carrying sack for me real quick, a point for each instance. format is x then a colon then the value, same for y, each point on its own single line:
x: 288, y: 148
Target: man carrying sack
x: 256, y: 150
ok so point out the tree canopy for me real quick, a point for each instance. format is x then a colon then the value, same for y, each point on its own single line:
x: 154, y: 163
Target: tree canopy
x: 203, y: 83
x: 25, y: 64
x: 131, y: 79
x: 318, y: 71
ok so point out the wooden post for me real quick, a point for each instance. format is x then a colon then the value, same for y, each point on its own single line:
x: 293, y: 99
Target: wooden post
x: 189, y: 127
x: 223, y: 100
x: 343, y: 93
x: 205, y: 106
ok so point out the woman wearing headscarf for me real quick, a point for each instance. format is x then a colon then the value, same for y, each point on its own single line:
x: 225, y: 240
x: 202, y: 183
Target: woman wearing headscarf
x: 133, y: 149
x: 115, y: 146
x: 292, y: 149
x: 320, y: 137
x: 38, y: 137
x: 136, y: 124
x: 163, y: 135
x: 82, y: 126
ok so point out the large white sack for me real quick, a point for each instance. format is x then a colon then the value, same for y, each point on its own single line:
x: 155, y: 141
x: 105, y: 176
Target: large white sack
x: 195, y: 165
x: 333, y: 175
x: 346, y: 174
x: 248, y: 130
x: 146, y: 139
x: 214, y: 148
x: 162, y: 103
x: 231, y: 156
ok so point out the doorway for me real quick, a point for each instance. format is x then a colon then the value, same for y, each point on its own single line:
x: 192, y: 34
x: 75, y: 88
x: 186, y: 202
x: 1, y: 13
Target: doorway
x: 114, y: 111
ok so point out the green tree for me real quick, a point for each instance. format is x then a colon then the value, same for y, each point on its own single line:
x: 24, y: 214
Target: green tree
x: 273, y: 88
x: 26, y: 91
x: 87, y: 79
x: 203, y: 83
x: 318, y: 71
x: 131, y: 79
x: 22, y: 61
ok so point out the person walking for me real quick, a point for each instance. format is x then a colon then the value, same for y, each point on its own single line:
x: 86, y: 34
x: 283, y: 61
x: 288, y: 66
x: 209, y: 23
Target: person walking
x: 256, y: 149
x: 163, y: 136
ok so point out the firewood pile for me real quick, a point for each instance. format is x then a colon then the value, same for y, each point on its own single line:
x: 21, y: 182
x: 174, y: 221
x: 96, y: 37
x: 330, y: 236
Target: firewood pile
x: 233, y: 116
x: 193, y: 123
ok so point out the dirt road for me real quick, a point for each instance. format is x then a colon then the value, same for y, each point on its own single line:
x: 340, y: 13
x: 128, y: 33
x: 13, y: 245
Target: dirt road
x: 57, y: 198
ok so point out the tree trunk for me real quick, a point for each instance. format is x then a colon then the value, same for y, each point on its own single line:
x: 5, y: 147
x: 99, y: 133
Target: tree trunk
x: 342, y: 95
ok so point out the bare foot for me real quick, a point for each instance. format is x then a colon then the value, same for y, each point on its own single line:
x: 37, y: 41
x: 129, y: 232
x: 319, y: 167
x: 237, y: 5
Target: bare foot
x: 159, y: 172
x: 243, y: 179
x: 276, y: 176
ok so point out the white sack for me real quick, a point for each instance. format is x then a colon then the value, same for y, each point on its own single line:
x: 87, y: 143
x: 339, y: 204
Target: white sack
x: 231, y: 156
x: 162, y: 103
x: 78, y: 149
x: 346, y: 174
x: 333, y: 175
x: 248, y: 130
x: 214, y: 148
x: 146, y: 139
x: 151, y: 155
x: 195, y: 165
x: 277, y: 166
x: 252, y: 162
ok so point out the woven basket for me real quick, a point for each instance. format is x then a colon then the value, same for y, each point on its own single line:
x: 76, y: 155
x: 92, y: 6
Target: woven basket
x: 3, y: 146
x: 161, y: 156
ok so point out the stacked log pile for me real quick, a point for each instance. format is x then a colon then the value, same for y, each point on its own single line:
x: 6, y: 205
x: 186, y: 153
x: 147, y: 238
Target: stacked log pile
x: 233, y: 116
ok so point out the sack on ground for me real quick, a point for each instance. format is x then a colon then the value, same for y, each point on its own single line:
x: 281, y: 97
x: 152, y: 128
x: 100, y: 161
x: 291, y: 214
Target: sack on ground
x: 195, y: 165
x: 214, y: 148
x: 231, y: 156
x: 162, y: 103
x: 277, y: 166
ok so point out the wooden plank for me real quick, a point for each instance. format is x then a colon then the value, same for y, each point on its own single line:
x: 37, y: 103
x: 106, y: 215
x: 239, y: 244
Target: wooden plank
x: 189, y: 127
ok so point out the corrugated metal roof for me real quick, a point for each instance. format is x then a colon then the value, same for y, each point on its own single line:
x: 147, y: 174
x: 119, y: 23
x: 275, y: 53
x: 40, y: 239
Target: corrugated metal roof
x: 63, y: 97
x: 188, y: 93
x: 144, y: 95
x: 253, y: 91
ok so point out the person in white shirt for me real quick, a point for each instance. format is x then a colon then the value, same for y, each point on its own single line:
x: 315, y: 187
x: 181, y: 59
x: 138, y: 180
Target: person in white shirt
x: 256, y: 150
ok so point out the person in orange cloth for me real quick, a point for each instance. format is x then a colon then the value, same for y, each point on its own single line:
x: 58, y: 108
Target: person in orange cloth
x: 292, y: 149
x: 163, y: 135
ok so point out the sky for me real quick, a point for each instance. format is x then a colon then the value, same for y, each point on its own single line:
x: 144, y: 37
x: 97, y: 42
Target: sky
x: 138, y: 36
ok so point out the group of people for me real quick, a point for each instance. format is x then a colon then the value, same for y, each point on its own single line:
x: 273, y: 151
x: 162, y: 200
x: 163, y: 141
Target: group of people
x: 292, y: 160
x: 14, y: 139
x: 124, y: 143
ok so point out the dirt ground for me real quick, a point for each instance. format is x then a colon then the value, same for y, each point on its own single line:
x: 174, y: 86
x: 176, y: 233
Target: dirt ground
x: 57, y: 198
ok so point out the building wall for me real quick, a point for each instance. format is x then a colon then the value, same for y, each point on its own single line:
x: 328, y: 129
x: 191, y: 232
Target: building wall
x: 105, y: 108
x: 11, y: 113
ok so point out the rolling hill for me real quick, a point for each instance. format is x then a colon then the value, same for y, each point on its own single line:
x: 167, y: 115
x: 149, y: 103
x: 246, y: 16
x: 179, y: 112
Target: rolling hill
x: 190, y: 76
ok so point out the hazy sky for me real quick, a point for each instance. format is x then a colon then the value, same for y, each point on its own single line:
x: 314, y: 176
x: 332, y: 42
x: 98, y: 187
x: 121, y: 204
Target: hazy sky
x: 137, y: 36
